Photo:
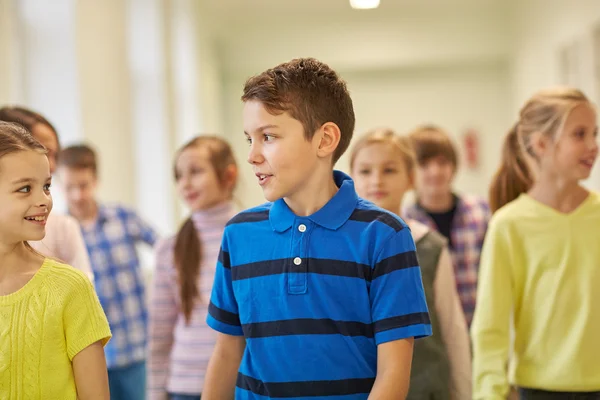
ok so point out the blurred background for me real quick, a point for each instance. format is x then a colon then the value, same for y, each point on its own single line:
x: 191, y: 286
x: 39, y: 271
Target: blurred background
x: 137, y: 78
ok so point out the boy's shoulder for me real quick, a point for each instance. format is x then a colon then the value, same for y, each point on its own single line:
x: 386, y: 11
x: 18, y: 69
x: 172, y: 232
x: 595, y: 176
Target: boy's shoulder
x: 474, y: 202
x: 254, y: 214
x: 114, y: 210
x: 377, y: 218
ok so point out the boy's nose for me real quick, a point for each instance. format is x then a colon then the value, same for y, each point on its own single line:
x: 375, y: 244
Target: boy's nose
x: 254, y: 155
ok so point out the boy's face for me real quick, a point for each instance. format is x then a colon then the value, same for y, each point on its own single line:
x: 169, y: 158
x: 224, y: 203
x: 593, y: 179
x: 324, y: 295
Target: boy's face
x: 281, y: 157
x: 434, y: 177
x: 380, y: 176
x: 25, y: 196
x: 79, y: 186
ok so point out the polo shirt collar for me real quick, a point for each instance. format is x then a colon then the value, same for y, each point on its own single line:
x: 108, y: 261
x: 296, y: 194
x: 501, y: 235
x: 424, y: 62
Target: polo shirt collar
x: 331, y: 216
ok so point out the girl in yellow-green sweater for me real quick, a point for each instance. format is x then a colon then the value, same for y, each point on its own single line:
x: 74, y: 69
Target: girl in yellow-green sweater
x: 52, y: 327
x: 540, y: 266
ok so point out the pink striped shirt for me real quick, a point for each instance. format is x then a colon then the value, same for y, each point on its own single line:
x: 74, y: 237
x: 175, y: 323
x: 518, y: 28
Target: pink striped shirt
x: 178, y: 353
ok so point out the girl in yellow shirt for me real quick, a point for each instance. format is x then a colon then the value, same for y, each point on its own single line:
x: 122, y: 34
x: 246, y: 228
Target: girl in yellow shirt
x: 52, y: 327
x: 539, y: 268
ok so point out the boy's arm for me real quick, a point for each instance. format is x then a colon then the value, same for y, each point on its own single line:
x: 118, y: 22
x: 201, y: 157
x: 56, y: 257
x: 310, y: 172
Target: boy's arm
x: 394, y: 360
x: 398, y: 311
x: 221, y: 375
x: 142, y: 230
x: 223, y: 316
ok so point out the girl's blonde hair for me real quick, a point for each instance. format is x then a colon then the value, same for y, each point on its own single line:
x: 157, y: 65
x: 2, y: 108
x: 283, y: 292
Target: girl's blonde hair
x: 387, y: 136
x: 545, y: 113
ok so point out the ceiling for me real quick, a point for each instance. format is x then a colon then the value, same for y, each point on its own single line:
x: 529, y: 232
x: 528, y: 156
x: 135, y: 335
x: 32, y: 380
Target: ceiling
x: 328, y: 6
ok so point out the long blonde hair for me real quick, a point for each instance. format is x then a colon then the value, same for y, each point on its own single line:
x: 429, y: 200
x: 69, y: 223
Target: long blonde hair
x: 546, y: 113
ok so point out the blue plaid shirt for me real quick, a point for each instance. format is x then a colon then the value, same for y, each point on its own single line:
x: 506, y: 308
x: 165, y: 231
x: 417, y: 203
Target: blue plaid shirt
x: 119, y: 280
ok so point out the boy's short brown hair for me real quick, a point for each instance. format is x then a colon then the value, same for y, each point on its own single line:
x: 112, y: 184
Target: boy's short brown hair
x: 430, y: 141
x: 78, y: 157
x: 311, y: 92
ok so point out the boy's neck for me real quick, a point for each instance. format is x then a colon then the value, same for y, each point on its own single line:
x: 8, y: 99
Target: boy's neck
x: 437, y: 204
x: 87, y: 215
x: 313, y: 196
x: 561, y: 195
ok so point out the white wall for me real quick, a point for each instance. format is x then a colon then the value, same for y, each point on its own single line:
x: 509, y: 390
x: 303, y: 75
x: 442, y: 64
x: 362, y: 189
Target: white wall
x: 544, y: 27
x: 455, y: 97
x: 389, y: 37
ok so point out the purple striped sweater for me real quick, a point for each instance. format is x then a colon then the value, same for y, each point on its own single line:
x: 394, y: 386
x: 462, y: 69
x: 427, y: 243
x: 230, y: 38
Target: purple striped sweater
x: 178, y: 353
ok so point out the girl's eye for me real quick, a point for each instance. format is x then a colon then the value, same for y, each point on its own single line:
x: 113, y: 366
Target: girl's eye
x: 25, y: 189
x: 268, y: 138
x: 248, y: 140
x: 390, y: 171
x: 47, y: 187
x: 364, y: 172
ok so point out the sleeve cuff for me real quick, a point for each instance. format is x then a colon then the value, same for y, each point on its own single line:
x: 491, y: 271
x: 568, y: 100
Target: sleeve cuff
x: 417, y: 331
x: 103, y: 335
x: 224, y: 328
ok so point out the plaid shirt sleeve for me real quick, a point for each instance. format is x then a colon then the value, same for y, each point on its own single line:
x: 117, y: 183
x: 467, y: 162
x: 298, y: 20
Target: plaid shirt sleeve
x: 141, y: 230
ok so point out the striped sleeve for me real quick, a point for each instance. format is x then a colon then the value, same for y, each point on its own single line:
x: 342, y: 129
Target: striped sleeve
x: 163, y: 312
x: 223, y: 315
x: 398, y: 305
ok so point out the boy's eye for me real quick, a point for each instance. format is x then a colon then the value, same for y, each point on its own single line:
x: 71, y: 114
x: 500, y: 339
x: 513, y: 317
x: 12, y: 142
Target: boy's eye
x: 25, y: 189
x: 389, y: 170
x: 268, y: 138
x: 248, y: 140
x: 47, y: 187
x: 364, y: 171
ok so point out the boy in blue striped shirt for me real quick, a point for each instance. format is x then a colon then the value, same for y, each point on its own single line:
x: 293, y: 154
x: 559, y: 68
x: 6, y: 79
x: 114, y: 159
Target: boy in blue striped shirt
x: 318, y: 293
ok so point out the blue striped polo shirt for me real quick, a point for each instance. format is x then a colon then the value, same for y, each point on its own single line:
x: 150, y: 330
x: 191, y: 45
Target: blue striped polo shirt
x: 314, y: 296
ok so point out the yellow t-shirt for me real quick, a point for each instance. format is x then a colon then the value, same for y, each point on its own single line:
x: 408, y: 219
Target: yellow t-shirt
x: 43, y: 326
x: 539, y: 269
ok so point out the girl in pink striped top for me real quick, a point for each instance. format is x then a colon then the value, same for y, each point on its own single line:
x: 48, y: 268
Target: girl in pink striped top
x: 180, y: 342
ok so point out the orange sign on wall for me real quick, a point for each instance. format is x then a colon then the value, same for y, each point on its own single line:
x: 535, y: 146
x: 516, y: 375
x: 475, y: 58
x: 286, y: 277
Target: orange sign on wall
x: 471, y: 147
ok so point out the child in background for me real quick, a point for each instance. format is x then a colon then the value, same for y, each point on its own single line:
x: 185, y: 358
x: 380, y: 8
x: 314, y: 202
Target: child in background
x: 462, y: 220
x: 382, y: 165
x: 180, y: 342
x: 539, y: 266
x: 63, y: 238
x: 52, y: 328
x: 111, y: 233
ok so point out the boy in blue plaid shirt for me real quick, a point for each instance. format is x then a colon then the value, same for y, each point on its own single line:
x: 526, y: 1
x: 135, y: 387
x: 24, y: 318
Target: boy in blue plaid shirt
x: 111, y: 234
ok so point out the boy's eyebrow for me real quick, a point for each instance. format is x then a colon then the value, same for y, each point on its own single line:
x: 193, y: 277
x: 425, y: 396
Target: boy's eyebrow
x: 262, y: 128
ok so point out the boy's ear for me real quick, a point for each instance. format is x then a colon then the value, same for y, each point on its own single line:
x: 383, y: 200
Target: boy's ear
x: 329, y: 138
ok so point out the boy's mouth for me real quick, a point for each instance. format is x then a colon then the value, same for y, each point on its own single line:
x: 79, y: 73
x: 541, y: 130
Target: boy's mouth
x: 263, y: 178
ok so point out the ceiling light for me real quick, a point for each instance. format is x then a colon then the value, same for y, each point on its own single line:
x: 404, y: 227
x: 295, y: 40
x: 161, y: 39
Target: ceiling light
x: 364, y: 4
